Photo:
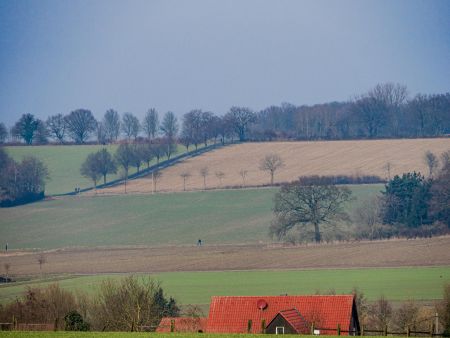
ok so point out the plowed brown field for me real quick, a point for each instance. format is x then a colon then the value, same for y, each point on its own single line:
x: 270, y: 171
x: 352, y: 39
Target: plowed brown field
x: 388, y: 253
x: 362, y: 157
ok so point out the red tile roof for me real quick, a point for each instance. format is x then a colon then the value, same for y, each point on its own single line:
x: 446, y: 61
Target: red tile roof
x: 296, y: 320
x: 182, y: 324
x: 231, y: 314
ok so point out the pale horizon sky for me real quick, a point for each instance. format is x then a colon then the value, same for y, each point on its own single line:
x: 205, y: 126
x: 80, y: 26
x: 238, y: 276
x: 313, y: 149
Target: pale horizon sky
x: 57, y: 56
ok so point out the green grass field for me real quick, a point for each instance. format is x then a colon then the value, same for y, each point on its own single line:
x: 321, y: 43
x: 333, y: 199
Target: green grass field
x: 64, y: 164
x: 396, y: 284
x: 17, y: 334
x: 218, y: 217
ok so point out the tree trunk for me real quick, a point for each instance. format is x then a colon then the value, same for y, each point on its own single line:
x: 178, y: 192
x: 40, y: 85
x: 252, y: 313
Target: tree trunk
x: 317, y: 236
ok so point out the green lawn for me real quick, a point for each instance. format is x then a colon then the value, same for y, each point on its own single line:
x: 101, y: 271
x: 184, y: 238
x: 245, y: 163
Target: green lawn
x: 64, y: 162
x: 396, y: 284
x: 218, y: 217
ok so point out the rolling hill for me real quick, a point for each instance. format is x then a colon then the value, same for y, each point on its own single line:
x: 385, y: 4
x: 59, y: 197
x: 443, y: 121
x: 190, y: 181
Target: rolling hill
x: 361, y: 157
x: 217, y: 217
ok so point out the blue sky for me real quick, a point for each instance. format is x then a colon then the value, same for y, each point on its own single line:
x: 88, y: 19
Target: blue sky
x: 57, y: 56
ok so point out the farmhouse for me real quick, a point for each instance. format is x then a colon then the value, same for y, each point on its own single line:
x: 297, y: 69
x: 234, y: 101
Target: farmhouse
x: 276, y: 314
x: 182, y: 324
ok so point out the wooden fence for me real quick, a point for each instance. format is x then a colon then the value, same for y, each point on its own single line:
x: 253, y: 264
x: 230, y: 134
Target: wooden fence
x: 372, y: 332
x: 27, y: 327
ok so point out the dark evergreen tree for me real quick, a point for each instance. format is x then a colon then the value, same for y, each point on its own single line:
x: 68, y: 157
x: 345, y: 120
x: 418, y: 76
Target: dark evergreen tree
x: 406, y: 200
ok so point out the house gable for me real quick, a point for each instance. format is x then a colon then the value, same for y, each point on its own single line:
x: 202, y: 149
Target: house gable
x: 291, y: 321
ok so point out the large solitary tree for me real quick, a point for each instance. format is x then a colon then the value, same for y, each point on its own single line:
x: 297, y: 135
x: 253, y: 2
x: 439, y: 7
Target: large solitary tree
x: 80, y: 124
x: 299, y: 204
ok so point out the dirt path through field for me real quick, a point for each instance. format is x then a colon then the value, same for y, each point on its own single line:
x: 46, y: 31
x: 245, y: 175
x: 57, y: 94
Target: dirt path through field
x: 389, y: 253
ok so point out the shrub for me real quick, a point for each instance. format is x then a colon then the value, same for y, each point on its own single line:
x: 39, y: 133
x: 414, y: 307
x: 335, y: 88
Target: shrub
x: 75, y: 322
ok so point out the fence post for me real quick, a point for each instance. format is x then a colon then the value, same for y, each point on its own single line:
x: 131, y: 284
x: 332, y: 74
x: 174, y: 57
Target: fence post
x: 263, y: 326
x: 249, y: 326
x: 339, y: 329
x: 172, y: 325
x: 408, y: 331
x: 436, y: 329
x: 55, y: 328
x: 431, y: 330
x: 362, y: 330
x: 385, y: 330
x: 312, y: 329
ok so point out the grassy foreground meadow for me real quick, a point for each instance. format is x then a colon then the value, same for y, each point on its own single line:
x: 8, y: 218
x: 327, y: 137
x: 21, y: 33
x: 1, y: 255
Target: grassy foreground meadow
x: 63, y: 334
x: 64, y: 162
x: 217, y: 217
x: 396, y: 284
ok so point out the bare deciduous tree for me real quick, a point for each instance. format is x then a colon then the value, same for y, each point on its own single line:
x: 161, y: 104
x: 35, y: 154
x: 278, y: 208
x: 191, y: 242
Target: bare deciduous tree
x: 156, y: 176
x: 56, y: 125
x: 41, y: 259
x: 169, y: 125
x: 432, y: 162
x: 151, y: 123
x: 3, y: 133
x: 130, y: 126
x: 204, y: 172
x: 185, y: 176
x: 131, y: 304
x: 240, y: 119
x: 381, y: 313
x: 406, y: 316
x: 388, y: 168
x: 243, y: 173
x: 367, y: 215
x: 445, y: 159
x: 220, y: 175
x: 124, y: 157
x: 89, y: 169
x: 271, y: 163
x: 80, y: 124
x: 111, y: 123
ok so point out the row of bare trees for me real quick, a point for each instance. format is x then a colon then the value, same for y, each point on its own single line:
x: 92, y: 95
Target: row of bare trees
x: 270, y: 164
x: 385, y: 111
x: 382, y: 315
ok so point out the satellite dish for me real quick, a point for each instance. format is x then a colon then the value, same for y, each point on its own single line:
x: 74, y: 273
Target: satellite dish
x: 262, y: 304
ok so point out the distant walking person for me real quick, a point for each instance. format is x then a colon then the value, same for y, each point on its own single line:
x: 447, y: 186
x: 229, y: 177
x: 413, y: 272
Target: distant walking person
x: 199, y: 242
x: 6, y: 247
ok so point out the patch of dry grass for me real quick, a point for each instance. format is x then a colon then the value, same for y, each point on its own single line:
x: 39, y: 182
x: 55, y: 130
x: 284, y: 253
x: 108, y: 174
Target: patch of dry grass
x: 362, y: 157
